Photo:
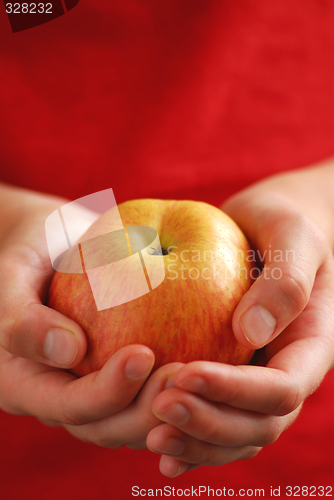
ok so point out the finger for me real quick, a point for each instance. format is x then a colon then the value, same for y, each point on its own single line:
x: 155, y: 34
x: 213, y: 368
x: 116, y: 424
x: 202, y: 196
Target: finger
x: 252, y: 388
x: 28, y: 328
x: 49, y: 423
x: 306, y: 349
x: 166, y: 439
x: 141, y: 445
x: 171, y: 467
x: 58, y: 396
x: 292, y: 249
x: 218, y: 424
x: 131, y: 425
x: 297, y: 362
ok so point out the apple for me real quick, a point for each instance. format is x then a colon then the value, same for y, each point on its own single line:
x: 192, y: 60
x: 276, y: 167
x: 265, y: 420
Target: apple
x: 188, y: 316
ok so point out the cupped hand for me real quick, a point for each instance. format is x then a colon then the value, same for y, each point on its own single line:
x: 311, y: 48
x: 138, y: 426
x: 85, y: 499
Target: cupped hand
x: 215, y: 413
x: 28, y: 328
x: 103, y: 407
x: 37, y: 343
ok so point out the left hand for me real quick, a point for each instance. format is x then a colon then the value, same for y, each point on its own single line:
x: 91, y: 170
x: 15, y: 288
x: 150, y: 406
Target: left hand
x: 216, y: 413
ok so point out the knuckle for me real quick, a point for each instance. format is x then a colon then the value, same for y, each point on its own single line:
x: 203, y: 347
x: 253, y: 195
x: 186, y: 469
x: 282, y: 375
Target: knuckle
x: 288, y: 217
x: 271, y: 433
x: 68, y: 416
x: 11, y: 319
x: 291, y: 400
x: 211, y: 434
x: 295, y: 289
x: 204, y: 456
x: 312, y: 235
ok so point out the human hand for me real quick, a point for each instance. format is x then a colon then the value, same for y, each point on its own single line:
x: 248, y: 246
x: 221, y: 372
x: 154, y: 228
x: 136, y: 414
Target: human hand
x: 216, y: 413
x: 28, y: 328
x: 103, y: 407
x: 32, y: 381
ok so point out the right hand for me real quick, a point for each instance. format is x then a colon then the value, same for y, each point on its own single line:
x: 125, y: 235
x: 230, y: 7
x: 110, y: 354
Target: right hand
x: 101, y: 408
x: 37, y: 343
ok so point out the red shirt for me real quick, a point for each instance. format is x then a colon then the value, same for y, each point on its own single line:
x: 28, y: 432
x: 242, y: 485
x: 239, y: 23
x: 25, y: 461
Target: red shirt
x: 175, y: 99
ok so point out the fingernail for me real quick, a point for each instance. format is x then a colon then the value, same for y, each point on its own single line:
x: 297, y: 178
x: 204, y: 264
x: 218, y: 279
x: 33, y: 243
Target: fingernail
x: 258, y: 325
x: 183, y: 468
x: 138, y: 367
x: 193, y: 384
x: 169, y: 382
x: 173, y: 446
x: 175, y: 414
x: 60, y: 346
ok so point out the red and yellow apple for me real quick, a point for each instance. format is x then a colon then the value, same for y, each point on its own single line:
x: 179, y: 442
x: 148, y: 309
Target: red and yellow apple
x: 188, y: 316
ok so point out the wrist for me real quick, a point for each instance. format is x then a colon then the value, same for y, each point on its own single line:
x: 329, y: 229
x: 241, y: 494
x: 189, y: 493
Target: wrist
x: 310, y: 190
x: 313, y: 189
x: 16, y: 204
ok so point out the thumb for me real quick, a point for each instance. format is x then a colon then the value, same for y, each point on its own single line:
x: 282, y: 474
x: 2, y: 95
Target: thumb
x: 28, y: 328
x: 292, y: 250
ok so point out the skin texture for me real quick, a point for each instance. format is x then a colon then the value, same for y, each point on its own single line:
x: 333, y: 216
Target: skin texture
x: 233, y: 410
x: 250, y: 406
x: 183, y: 319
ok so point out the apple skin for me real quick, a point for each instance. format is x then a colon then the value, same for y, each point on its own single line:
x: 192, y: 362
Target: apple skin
x: 183, y: 319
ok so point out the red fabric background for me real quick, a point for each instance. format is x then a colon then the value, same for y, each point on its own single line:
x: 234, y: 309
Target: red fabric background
x: 171, y: 99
